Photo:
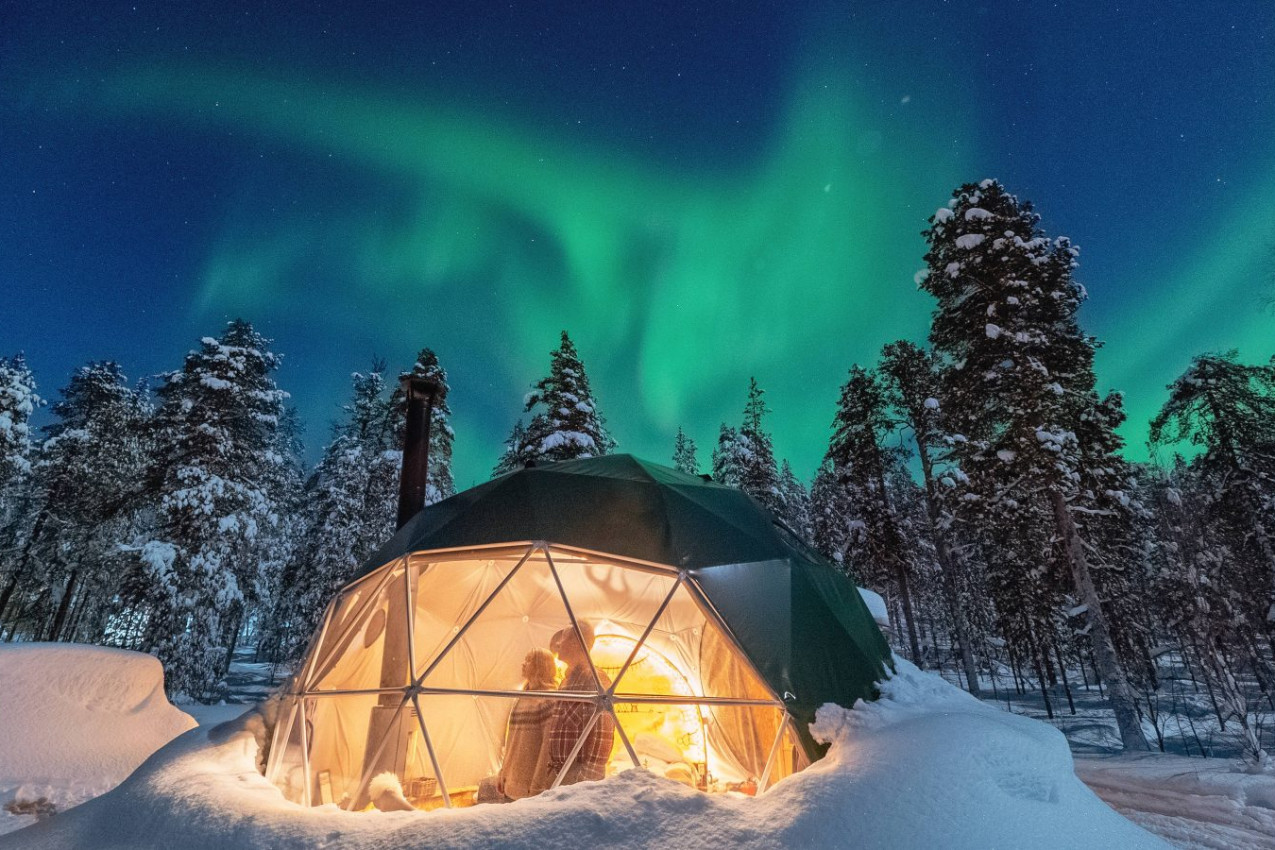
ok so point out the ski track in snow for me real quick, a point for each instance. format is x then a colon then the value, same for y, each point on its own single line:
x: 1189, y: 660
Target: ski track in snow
x: 1140, y: 788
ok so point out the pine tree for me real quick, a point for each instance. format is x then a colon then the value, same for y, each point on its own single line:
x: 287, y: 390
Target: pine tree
x: 831, y: 517
x: 570, y: 426
x: 516, y: 453
x: 856, y: 452
x: 758, y: 473
x: 796, y: 502
x: 729, y: 457
x: 18, y: 400
x: 1018, y: 374
x: 911, y: 381
x: 217, y: 475
x: 1227, y: 408
x: 88, y: 493
x: 351, y: 496
x: 439, y: 483
x: 684, y: 454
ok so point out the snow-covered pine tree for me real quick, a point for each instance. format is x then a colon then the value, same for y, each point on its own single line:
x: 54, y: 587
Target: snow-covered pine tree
x: 1195, y: 598
x: 351, y: 510
x: 1018, y: 372
x: 831, y: 517
x: 87, y: 498
x: 856, y: 451
x: 439, y: 483
x: 796, y: 502
x: 911, y: 380
x: 217, y: 474
x: 684, y: 459
x: 515, y: 454
x: 18, y: 401
x: 570, y: 425
x: 758, y: 472
x: 729, y: 457
x: 1227, y: 408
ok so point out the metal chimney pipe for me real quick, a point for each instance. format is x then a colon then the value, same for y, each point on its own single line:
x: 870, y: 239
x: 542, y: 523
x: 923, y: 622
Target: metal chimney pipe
x: 420, y: 392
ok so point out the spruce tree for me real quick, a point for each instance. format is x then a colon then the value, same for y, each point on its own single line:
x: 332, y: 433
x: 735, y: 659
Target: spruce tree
x: 857, y: 453
x: 830, y: 518
x: 684, y: 459
x: 758, y: 473
x: 911, y: 380
x: 516, y: 453
x: 1017, y: 377
x: 217, y: 479
x: 351, y: 501
x: 729, y: 457
x: 439, y: 483
x: 566, y: 423
x: 90, y: 467
x: 796, y: 502
x: 18, y: 400
x: 1227, y: 409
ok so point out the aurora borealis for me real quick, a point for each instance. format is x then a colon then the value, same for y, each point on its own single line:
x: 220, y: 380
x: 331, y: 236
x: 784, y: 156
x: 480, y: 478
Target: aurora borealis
x: 697, y: 195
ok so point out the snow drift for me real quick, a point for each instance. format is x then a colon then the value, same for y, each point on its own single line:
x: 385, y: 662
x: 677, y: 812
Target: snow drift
x: 925, y: 766
x: 75, y: 721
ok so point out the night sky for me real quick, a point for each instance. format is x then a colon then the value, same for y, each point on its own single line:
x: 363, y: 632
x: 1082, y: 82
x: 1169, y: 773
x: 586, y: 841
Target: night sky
x: 698, y: 194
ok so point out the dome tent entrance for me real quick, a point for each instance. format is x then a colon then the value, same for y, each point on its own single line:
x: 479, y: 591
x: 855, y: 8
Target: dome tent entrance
x: 717, y: 635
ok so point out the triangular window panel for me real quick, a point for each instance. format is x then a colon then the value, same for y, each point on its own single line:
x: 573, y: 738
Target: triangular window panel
x: 419, y: 782
x: 489, y: 651
x: 472, y: 737
x: 342, y: 619
x: 287, y: 761
x: 372, y: 653
x: 686, y: 655
x: 446, y: 593
x: 712, y: 747
x: 346, y: 734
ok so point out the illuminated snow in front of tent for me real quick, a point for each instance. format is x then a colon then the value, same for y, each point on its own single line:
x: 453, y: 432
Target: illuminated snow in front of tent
x: 417, y: 667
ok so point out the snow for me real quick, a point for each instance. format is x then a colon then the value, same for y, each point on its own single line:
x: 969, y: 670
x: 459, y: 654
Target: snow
x: 876, y: 606
x: 1195, y: 803
x: 76, y: 721
x: 992, y: 331
x: 924, y: 766
x: 970, y: 240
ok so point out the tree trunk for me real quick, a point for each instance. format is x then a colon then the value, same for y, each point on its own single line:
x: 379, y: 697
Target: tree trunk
x: 947, y: 564
x: 64, y: 606
x: 20, y: 570
x: 1104, y: 650
x: 905, y: 597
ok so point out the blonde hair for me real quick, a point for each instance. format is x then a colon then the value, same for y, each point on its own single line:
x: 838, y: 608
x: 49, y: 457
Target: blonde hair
x: 544, y: 669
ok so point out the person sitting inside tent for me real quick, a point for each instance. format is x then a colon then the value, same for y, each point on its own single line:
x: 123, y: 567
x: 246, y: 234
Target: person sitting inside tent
x: 528, y: 720
x: 570, y: 718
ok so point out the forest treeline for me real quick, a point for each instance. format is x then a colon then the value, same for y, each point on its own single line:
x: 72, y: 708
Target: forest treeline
x: 978, y: 483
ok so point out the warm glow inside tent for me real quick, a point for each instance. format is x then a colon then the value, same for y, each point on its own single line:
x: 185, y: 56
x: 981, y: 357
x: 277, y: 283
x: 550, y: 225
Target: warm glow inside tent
x: 418, y: 663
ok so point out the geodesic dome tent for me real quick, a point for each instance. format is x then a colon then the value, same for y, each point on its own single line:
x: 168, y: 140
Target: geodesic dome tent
x: 718, y: 634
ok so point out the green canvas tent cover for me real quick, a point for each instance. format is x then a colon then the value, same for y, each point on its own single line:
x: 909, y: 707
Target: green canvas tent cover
x: 798, y: 618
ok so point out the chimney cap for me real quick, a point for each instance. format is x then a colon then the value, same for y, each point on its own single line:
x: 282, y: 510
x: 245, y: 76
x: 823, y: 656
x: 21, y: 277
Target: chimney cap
x: 412, y: 383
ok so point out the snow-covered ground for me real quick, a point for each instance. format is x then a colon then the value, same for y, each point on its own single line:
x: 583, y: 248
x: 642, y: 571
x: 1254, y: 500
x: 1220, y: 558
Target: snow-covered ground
x: 1193, y: 802
x: 74, y: 722
x: 925, y: 766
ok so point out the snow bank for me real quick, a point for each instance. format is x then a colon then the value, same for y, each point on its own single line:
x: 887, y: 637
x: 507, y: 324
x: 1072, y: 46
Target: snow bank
x: 876, y: 607
x: 925, y: 766
x: 75, y: 721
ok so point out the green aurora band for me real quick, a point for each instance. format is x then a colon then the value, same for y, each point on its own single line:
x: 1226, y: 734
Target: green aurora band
x: 677, y: 284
